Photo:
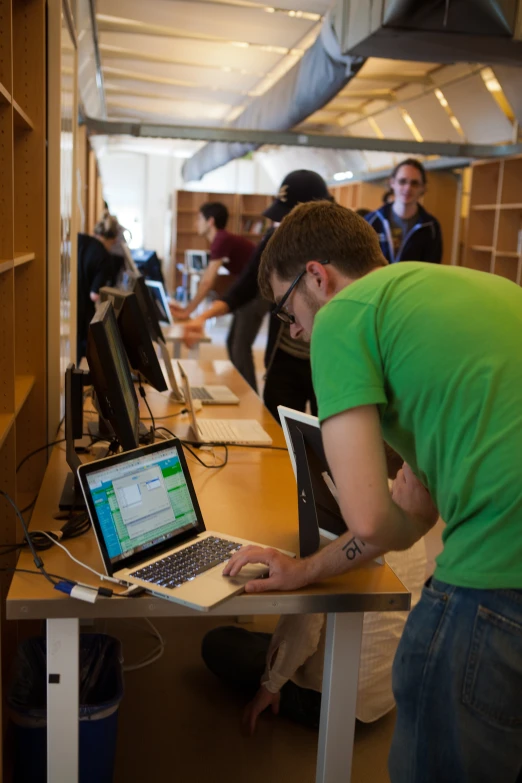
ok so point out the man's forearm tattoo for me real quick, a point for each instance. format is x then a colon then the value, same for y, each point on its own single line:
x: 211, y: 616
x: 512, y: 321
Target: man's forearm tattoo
x: 351, y: 549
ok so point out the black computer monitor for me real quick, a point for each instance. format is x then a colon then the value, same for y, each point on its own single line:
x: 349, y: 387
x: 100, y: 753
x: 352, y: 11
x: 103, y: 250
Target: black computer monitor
x: 135, y: 335
x: 319, y: 512
x: 148, y: 308
x: 110, y: 375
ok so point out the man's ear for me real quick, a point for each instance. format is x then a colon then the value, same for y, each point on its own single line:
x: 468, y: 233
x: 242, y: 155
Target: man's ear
x: 319, y: 274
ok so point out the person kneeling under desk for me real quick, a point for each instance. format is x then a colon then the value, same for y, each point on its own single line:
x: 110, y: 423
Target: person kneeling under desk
x: 284, y: 671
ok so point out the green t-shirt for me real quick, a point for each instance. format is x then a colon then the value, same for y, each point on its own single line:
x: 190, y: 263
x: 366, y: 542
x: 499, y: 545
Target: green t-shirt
x: 439, y: 350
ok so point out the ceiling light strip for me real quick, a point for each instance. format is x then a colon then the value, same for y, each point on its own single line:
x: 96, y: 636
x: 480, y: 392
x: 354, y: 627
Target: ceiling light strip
x: 411, y: 125
x: 284, y: 65
x: 292, y: 13
x: 495, y: 88
x: 119, y: 24
x: 447, y: 108
x: 121, y: 73
x: 132, y: 54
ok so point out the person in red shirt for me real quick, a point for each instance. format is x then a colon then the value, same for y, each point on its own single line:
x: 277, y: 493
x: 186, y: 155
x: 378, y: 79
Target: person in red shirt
x: 225, y: 248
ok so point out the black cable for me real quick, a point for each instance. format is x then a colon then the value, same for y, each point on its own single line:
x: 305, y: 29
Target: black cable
x: 198, y: 443
x: 143, y: 394
x: 103, y: 591
x: 205, y: 465
x: 160, y: 418
x: 31, y: 504
x: 31, y: 453
x: 77, y: 524
x: 37, y: 560
x: 201, y: 462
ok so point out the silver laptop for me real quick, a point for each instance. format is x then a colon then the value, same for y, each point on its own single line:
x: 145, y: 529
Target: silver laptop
x: 303, y: 432
x: 150, y: 531
x: 208, y: 395
x: 233, y: 431
x: 161, y: 303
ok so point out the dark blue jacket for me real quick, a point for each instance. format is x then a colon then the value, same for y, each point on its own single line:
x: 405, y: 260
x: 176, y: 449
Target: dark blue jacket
x: 422, y: 243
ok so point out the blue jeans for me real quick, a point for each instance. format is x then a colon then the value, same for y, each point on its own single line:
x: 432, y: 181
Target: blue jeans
x: 457, y: 681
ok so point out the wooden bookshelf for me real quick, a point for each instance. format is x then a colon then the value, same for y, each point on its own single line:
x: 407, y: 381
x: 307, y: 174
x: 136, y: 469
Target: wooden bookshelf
x: 245, y: 218
x: 23, y: 270
x: 359, y: 195
x: 252, y: 224
x: 494, y: 223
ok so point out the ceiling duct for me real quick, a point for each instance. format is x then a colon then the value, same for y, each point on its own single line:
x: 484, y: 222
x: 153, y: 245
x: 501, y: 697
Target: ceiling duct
x: 90, y: 75
x: 443, y: 31
x: 308, y: 86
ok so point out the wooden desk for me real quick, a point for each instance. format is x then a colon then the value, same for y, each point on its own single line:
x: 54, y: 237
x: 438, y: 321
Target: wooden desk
x: 173, y: 335
x: 254, y: 496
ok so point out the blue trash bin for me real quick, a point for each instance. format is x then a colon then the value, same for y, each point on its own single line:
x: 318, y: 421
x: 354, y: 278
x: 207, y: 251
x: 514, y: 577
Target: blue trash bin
x: 101, y: 690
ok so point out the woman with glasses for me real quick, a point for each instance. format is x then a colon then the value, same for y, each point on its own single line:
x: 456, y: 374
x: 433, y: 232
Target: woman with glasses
x: 406, y: 231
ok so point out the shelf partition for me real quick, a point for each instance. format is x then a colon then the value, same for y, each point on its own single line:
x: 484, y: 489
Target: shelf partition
x: 23, y: 387
x: 21, y: 119
x: 23, y: 258
x: 6, y: 422
x: 5, y: 95
x: 494, y: 224
x: 23, y: 317
x: 6, y: 265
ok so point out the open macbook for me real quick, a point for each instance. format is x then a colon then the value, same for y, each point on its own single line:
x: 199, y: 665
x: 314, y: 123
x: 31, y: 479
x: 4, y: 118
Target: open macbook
x: 234, y: 431
x: 150, y: 531
x: 208, y: 395
x: 320, y: 521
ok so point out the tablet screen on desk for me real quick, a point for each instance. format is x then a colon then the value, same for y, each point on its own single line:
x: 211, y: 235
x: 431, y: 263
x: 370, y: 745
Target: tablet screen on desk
x: 140, y: 502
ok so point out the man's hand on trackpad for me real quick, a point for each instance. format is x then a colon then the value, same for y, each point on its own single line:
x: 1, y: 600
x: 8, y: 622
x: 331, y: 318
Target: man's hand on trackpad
x: 284, y: 572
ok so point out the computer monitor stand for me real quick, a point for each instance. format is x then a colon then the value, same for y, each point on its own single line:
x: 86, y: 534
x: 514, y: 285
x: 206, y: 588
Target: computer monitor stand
x: 100, y: 429
x: 75, y: 381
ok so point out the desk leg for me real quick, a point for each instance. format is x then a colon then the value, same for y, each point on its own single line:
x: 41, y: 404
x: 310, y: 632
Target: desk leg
x: 63, y: 728
x: 176, y: 349
x: 340, y: 677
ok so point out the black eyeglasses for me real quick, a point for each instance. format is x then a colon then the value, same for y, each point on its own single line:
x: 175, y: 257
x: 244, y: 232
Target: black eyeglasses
x: 413, y: 182
x: 278, y: 310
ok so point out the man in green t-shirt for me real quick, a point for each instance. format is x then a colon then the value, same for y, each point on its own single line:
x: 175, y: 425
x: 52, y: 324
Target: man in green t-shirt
x: 428, y: 359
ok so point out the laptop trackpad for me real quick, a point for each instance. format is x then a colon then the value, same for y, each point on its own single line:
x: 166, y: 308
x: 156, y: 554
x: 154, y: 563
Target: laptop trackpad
x: 246, y: 574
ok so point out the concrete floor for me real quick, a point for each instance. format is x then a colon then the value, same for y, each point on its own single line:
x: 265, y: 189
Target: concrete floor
x: 179, y: 723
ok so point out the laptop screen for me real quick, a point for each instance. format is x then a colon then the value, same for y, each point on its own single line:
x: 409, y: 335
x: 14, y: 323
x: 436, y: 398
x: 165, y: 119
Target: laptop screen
x: 160, y: 301
x: 141, y: 502
x: 188, y: 401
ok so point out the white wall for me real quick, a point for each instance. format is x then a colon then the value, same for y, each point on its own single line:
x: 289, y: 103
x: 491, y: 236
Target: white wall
x: 138, y: 187
x: 124, y: 178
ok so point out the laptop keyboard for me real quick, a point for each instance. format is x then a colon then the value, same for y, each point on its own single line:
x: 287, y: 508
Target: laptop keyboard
x: 218, y: 431
x: 183, y: 566
x: 200, y: 393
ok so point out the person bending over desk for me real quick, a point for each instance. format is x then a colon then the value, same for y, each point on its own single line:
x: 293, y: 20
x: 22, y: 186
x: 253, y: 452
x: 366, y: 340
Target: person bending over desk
x: 225, y: 248
x: 427, y: 357
x: 288, y: 379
